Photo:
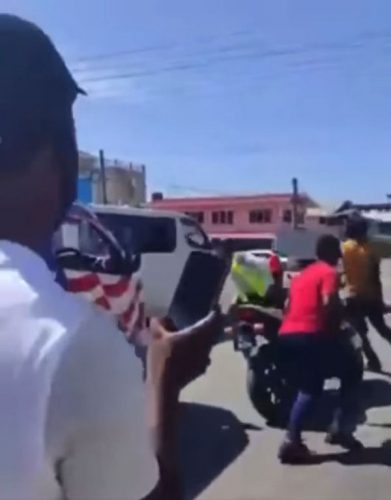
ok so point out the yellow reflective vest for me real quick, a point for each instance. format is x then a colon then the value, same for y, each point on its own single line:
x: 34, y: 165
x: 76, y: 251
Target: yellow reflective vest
x: 250, y: 275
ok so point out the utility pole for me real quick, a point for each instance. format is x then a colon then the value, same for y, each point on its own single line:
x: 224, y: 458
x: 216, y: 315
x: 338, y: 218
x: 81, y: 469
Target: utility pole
x: 295, y: 201
x: 103, y: 175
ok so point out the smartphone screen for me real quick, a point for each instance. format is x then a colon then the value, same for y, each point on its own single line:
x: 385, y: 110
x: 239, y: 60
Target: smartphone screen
x: 199, y: 289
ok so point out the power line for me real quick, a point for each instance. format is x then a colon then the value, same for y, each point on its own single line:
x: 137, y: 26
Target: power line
x: 121, y: 53
x: 219, y: 56
x: 317, y: 46
x: 189, y: 66
x: 234, y: 82
x: 158, y: 48
x: 203, y: 53
x: 195, y: 189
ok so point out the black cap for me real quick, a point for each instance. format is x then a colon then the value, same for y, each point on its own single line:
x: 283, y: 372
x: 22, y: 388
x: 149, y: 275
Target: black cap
x: 34, y: 80
x: 30, y: 64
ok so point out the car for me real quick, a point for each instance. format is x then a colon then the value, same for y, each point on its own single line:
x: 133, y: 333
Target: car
x: 263, y: 255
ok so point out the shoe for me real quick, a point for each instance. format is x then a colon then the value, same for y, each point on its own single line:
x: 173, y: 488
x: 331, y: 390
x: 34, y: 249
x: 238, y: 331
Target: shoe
x: 294, y: 453
x: 347, y: 441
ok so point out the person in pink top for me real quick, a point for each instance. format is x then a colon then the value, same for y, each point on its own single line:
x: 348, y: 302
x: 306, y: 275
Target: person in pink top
x: 315, y: 347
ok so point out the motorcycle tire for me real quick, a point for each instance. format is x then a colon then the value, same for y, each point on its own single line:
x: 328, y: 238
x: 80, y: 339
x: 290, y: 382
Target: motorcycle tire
x: 269, y: 393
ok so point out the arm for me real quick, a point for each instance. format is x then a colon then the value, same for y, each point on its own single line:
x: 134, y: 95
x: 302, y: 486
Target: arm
x: 174, y: 360
x: 164, y: 438
x: 331, y: 301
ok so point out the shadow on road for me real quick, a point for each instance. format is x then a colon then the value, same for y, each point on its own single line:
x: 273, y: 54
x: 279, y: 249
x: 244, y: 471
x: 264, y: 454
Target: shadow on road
x: 211, y: 439
x: 368, y: 456
x: 376, y: 393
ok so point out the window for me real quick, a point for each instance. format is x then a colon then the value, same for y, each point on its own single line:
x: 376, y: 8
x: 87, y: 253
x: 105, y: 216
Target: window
x: 90, y: 241
x: 140, y: 234
x: 287, y: 216
x: 223, y: 217
x: 194, y: 234
x: 267, y: 215
x: 333, y: 221
x: 256, y: 216
x: 198, y: 216
x: 260, y: 216
x: 384, y: 228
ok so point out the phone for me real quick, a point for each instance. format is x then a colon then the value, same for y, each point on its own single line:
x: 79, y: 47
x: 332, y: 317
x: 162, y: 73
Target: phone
x: 199, y: 288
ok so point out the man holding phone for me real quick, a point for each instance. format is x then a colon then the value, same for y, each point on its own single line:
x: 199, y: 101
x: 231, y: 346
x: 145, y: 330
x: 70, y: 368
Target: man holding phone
x: 72, y: 421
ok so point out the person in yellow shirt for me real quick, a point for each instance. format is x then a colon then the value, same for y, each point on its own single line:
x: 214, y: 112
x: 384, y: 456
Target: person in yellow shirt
x: 364, y: 287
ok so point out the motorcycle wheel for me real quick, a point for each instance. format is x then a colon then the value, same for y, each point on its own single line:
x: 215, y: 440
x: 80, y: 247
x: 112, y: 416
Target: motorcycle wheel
x: 269, y: 393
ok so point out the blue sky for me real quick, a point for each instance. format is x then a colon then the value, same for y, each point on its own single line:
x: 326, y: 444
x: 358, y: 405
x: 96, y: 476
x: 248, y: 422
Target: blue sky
x: 233, y: 95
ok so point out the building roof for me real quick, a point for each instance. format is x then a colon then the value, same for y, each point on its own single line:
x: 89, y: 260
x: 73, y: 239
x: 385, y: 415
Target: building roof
x: 364, y: 207
x: 231, y: 200
x: 84, y: 154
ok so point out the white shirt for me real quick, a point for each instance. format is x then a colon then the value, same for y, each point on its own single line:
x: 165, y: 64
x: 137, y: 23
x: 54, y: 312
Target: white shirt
x: 72, y: 409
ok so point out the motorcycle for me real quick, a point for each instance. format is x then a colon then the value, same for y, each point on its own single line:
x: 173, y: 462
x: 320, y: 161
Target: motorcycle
x: 270, y: 381
x: 255, y: 335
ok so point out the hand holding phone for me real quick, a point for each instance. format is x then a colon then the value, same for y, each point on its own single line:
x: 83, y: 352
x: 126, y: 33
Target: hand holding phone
x: 176, y: 358
x: 199, y: 289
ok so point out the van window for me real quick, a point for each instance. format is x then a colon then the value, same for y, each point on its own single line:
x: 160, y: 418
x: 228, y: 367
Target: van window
x: 91, y: 242
x: 140, y: 234
x: 384, y: 228
x: 195, y: 235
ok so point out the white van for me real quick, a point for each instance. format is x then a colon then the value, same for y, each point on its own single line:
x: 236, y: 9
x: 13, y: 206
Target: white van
x: 163, y: 239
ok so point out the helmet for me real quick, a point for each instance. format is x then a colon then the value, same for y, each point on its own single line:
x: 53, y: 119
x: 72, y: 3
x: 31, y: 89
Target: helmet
x: 275, y: 265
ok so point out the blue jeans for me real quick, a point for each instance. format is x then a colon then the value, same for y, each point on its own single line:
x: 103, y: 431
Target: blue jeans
x: 310, y: 360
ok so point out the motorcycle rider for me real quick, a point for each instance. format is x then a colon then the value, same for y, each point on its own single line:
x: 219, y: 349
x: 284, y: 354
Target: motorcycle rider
x: 314, y: 346
x: 363, y: 287
x: 259, y: 281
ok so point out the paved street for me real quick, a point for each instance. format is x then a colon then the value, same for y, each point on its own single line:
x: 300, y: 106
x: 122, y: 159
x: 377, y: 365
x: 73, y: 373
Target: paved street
x: 231, y: 455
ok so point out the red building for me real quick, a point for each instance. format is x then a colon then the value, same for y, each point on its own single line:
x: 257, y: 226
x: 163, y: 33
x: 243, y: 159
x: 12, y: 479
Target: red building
x: 255, y: 217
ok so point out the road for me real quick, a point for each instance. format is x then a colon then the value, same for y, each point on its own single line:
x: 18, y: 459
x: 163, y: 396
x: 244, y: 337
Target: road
x: 230, y: 454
